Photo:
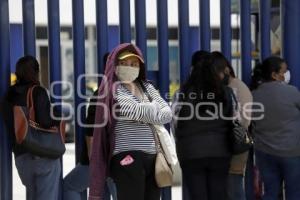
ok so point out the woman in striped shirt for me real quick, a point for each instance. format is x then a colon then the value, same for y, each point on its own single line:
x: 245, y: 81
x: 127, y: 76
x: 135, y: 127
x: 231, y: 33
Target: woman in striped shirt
x: 132, y: 151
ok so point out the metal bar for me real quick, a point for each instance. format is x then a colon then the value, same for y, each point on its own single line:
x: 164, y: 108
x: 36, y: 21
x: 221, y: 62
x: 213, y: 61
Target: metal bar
x: 183, y: 19
x: 225, y: 29
x: 125, y: 27
x: 54, y: 46
x: 163, y: 61
x: 140, y: 25
x: 265, y: 28
x: 55, y: 57
x: 79, y: 69
x: 291, y: 37
x: 29, y: 27
x: 163, y: 46
x: 205, y: 31
x: 5, y: 142
x: 102, y: 32
x: 79, y: 81
x: 245, y: 10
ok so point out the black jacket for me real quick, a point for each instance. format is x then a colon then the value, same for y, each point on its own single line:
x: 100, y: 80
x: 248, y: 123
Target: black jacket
x: 90, y: 120
x: 196, y: 138
x: 17, y: 95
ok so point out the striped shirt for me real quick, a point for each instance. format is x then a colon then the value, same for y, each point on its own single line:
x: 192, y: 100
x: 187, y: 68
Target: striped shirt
x: 132, y: 130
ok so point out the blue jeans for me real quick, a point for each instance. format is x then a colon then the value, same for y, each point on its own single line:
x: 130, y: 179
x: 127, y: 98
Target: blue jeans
x: 236, y: 187
x: 40, y: 176
x: 77, y: 181
x: 274, y: 170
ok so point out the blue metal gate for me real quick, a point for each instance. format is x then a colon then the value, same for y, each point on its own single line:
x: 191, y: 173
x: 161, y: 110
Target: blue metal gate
x: 291, y: 48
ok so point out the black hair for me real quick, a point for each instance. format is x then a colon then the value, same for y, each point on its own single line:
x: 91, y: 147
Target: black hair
x: 104, y: 60
x: 204, y: 79
x: 263, y: 71
x: 221, y: 60
x: 198, y: 56
x: 27, y: 70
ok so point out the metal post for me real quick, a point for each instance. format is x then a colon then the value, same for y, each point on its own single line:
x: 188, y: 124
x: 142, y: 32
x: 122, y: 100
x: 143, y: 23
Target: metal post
x: 225, y: 29
x: 245, y: 12
x: 163, y: 61
x: 141, y: 29
x: 291, y: 37
x: 125, y: 27
x: 79, y: 69
x: 184, y: 53
x: 265, y: 28
x: 183, y: 19
x: 54, y: 45
x: 5, y: 142
x: 55, y: 55
x: 205, y: 31
x: 163, y: 46
x: 29, y: 27
x: 102, y: 32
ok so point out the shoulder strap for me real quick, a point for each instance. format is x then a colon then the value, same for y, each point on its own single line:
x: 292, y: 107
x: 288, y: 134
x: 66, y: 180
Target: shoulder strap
x: 30, y: 103
x: 235, y: 100
x: 145, y: 91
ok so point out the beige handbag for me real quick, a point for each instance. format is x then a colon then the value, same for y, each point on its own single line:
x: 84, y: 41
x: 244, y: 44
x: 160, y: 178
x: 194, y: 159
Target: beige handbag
x: 163, y: 171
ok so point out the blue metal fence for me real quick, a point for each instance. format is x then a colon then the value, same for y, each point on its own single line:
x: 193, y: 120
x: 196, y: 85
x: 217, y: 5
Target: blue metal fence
x: 5, y: 142
x: 29, y: 27
x: 291, y: 49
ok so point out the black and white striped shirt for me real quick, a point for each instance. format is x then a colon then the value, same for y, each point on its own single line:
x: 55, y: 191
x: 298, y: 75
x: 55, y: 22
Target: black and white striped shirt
x: 132, y: 130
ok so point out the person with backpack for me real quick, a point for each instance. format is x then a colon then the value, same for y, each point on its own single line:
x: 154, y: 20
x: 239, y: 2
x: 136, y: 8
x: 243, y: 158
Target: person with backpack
x: 40, y: 175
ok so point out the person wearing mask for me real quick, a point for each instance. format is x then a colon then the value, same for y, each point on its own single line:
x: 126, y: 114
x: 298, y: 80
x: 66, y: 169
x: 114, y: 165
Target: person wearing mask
x: 202, y: 131
x: 39, y: 175
x: 236, y: 185
x: 276, y: 130
x: 124, y: 145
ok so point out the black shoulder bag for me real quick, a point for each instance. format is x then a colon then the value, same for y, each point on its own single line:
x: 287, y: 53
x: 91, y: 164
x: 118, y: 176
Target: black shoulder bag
x: 240, y: 140
x: 31, y: 136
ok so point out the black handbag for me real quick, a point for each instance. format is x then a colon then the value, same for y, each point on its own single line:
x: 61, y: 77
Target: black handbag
x: 240, y: 139
x: 36, y: 140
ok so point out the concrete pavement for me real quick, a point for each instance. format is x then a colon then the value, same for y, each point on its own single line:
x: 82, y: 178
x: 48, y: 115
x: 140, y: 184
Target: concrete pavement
x: 68, y: 163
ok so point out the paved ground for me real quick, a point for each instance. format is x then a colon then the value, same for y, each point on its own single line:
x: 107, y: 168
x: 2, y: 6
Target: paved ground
x: 69, y: 162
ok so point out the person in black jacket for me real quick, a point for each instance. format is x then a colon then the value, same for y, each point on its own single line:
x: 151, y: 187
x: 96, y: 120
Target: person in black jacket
x: 202, y: 130
x: 39, y: 175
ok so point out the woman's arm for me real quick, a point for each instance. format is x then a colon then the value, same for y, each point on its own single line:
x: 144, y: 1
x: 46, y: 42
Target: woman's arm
x: 155, y: 112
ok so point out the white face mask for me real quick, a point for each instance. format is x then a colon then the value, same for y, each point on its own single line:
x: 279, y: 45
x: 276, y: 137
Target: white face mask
x: 287, y: 76
x: 127, y: 73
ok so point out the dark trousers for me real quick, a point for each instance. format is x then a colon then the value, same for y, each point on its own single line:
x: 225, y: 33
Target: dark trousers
x: 206, y: 178
x: 135, y: 181
x: 274, y: 170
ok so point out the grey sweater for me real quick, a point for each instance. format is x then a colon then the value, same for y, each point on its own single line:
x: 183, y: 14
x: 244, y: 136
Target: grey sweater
x: 278, y: 133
